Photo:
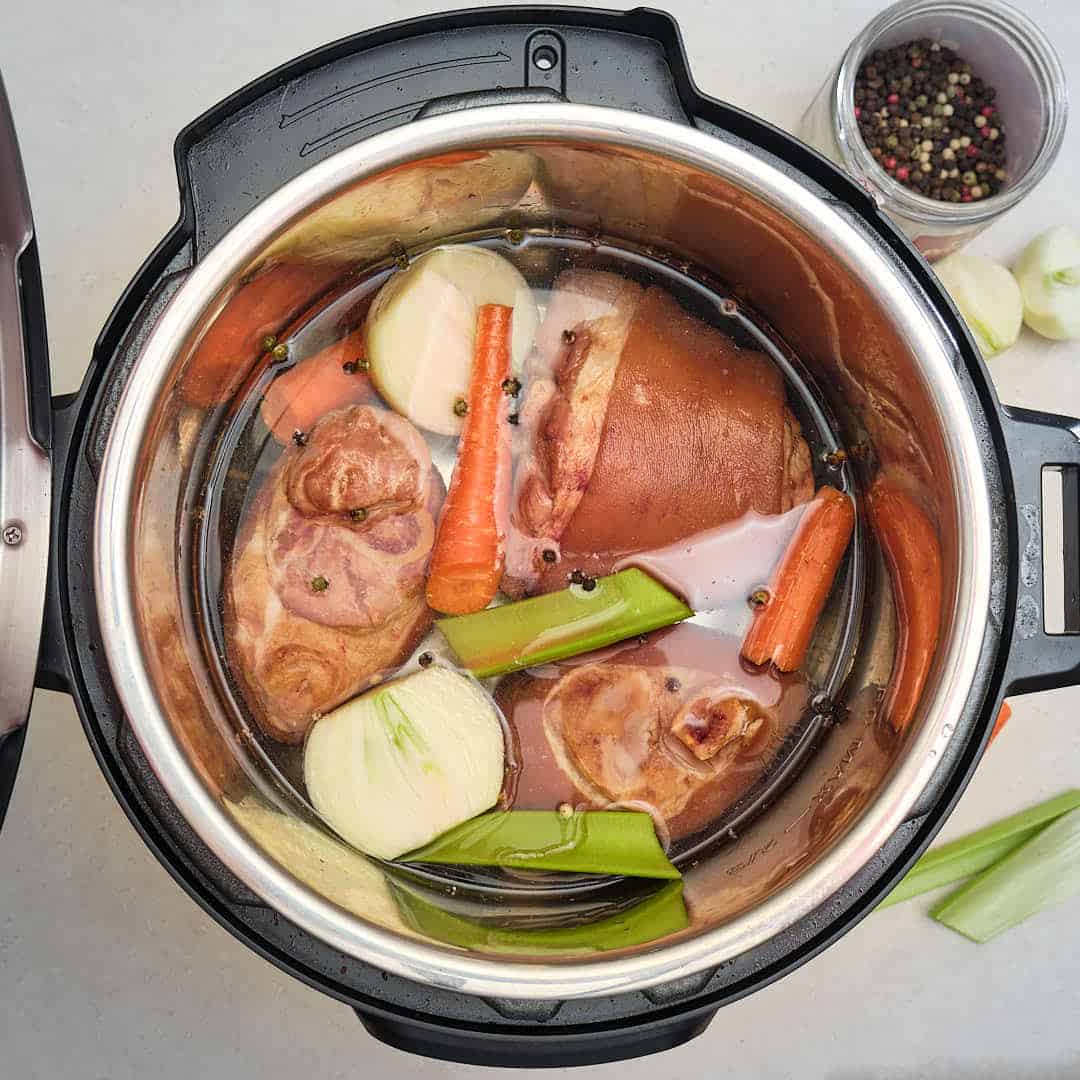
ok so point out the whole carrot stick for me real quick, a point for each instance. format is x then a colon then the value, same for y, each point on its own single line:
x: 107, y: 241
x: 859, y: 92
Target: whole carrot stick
x: 913, y: 554
x: 783, y: 626
x: 467, y: 562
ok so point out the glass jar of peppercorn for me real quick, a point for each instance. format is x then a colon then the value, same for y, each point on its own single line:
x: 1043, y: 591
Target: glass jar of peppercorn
x: 948, y: 113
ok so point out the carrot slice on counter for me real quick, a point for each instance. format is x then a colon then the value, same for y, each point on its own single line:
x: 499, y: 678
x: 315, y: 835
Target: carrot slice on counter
x: 467, y: 561
x: 783, y: 626
x: 305, y: 393
x: 913, y: 554
x: 234, y: 341
x: 1003, y: 717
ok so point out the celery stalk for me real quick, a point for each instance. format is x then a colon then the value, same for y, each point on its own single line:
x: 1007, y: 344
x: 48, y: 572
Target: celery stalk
x: 599, y: 842
x: 655, y: 917
x: 1039, y: 873
x: 562, y: 624
x: 977, y: 851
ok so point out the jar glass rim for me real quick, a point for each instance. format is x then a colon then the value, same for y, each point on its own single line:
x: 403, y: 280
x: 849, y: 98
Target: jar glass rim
x: 1025, y: 36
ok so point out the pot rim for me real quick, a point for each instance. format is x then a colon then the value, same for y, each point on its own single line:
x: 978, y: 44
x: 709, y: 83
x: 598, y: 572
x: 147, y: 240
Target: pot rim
x: 835, y: 228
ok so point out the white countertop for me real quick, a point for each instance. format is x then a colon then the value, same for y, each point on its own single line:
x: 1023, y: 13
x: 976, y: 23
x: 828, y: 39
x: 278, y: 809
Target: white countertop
x: 108, y: 970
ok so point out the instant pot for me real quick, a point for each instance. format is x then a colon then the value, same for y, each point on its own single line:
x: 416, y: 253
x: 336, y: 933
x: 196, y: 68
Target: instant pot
x: 531, y: 121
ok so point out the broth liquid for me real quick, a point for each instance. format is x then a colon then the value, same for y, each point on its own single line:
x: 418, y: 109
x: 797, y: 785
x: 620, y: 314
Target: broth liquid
x: 246, y: 453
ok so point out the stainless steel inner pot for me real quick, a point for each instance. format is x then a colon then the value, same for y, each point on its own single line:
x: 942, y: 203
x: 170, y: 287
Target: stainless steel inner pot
x: 823, y: 279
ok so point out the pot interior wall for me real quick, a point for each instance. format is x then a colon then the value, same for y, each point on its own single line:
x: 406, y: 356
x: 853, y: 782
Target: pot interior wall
x: 710, y: 227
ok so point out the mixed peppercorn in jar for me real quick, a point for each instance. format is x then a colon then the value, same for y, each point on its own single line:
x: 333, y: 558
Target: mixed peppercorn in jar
x: 931, y: 122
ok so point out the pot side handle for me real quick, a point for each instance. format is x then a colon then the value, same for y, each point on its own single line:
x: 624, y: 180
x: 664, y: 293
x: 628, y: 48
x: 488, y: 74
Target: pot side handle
x: 1038, y: 660
x: 532, y: 1046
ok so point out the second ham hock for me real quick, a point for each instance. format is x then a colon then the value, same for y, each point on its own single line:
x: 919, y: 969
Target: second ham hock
x: 643, y: 426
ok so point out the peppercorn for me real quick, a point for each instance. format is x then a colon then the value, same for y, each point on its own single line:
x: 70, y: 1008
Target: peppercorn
x: 461, y: 407
x: 350, y: 367
x: 359, y: 514
x: 280, y: 351
x: 671, y: 684
x: 918, y: 107
x: 549, y: 555
x: 299, y: 438
x: 269, y: 342
x: 425, y: 659
x: 569, y: 337
x: 511, y: 387
x: 319, y: 584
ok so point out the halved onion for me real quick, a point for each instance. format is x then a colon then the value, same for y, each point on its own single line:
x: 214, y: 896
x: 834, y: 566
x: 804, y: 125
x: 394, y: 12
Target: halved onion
x: 988, y: 298
x: 422, y: 325
x: 1049, y: 276
x: 398, y: 766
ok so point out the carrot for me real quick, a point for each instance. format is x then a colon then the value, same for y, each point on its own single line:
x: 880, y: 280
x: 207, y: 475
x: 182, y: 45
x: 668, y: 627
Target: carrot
x: 913, y: 554
x: 1003, y: 717
x: 783, y: 626
x: 233, y: 342
x: 467, y: 561
x: 305, y: 393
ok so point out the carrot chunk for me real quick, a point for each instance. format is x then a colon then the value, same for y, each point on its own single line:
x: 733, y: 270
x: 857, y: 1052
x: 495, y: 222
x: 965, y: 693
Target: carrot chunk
x: 263, y: 306
x: 331, y: 379
x: 1003, y: 717
x: 913, y: 554
x: 784, y: 624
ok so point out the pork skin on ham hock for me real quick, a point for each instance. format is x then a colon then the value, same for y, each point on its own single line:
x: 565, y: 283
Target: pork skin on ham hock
x: 642, y: 425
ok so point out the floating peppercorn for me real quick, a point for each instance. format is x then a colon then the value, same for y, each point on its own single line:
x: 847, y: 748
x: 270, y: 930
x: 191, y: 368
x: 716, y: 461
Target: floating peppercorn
x: 513, y: 418
x: 759, y: 598
x: 511, y: 387
x: 319, y: 584
x: 299, y: 438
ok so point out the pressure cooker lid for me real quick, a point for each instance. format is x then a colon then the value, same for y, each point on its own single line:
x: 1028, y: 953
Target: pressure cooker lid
x: 25, y: 479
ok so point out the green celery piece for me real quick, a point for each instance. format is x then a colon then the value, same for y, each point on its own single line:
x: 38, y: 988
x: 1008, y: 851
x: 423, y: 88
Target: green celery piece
x: 587, y: 842
x: 977, y: 851
x: 660, y: 914
x: 1039, y: 873
x: 562, y: 624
